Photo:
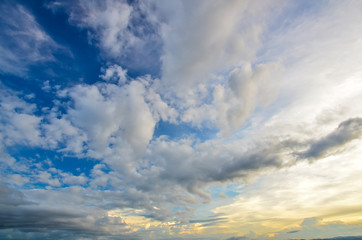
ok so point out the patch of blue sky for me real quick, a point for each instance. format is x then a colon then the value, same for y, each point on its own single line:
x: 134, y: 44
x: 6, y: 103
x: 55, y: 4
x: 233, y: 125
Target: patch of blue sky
x: 220, y: 195
x: 233, y: 190
x: 86, y: 61
x: 177, y: 209
x: 29, y: 92
x: 294, y: 10
x: 77, y: 59
x: 52, y: 159
x: 183, y: 130
x: 228, y: 191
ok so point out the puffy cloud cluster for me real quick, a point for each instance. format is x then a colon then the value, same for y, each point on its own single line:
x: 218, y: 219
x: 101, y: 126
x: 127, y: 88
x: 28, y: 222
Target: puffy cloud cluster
x: 109, y: 112
x: 19, y: 124
x: 111, y: 115
x: 115, y: 73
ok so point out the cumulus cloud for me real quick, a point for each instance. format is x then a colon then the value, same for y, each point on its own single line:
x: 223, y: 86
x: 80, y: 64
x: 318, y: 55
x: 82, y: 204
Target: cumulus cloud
x: 109, y: 116
x: 60, y: 131
x: 115, y: 73
x: 107, y: 112
x: 19, y: 124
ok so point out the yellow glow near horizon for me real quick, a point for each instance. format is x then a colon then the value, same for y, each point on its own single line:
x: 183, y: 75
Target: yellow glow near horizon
x: 327, y: 189
x: 136, y: 223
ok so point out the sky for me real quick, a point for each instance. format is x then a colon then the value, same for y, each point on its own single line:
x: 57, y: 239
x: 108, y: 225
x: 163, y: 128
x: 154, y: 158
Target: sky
x: 202, y: 120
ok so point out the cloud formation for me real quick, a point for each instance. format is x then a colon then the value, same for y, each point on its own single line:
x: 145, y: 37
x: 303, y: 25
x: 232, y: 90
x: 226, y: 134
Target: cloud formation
x: 203, y: 119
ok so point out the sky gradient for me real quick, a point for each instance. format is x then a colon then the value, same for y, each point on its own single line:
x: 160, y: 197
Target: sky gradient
x: 214, y: 120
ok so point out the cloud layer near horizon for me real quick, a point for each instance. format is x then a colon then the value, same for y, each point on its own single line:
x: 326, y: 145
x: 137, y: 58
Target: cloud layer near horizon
x: 201, y: 116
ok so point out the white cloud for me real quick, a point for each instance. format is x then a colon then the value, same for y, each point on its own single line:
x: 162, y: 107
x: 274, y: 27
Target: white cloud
x: 47, y: 178
x: 208, y: 37
x: 107, y: 112
x: 70, y: 179
x: 61, y: 131
x: 19, y: 125
x: 5, y: 158
x: 116, y: 74
x: 109, y: 20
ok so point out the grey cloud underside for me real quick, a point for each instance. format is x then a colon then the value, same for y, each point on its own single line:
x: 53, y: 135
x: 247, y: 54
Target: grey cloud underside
x: 341, y: 238
x: 237, y: 238
x: 33, y: 219
x: 11, y: 197
x: 16, y: 212
x: 40, y: 222
x: 223, y: 165
x: 347, y: 131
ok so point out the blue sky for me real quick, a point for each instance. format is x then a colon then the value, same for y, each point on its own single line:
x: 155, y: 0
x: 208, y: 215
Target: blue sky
x: 180, y: 119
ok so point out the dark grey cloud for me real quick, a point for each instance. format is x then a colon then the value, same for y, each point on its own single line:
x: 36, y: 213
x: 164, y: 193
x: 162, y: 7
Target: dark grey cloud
x: 347, y: 131
x: 341, y: 238
x: 12, y: 197
x: 237, y: 238
x: 32, y: 220
x: 17, y: 212
x: 37, y: 219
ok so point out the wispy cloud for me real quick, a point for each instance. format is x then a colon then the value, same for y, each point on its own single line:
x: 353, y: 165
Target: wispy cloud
x: 127, y: 33
x: 23, y: 41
